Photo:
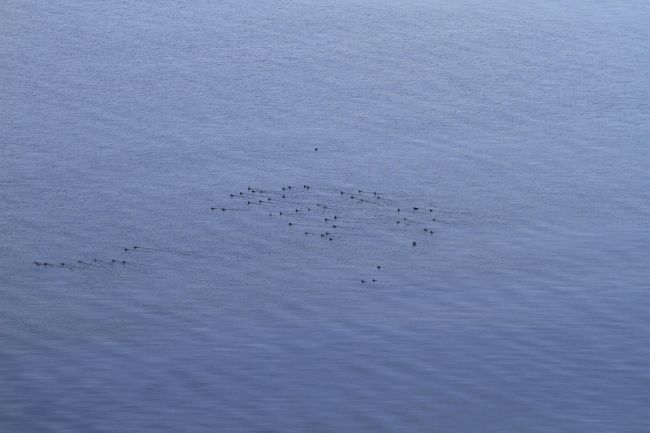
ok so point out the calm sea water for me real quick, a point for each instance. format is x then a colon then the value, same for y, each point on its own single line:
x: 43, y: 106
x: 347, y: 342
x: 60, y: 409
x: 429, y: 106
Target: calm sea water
x: 525, y: 122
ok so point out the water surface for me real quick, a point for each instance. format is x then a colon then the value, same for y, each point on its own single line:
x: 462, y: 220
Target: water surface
x: 121, y: 124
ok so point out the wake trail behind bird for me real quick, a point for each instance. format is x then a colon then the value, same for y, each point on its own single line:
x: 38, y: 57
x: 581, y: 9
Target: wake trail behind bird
x: 166, y: 250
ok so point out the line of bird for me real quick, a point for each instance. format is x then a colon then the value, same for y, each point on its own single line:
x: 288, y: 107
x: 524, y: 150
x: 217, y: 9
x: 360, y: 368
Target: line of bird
x: 95, y: 262
x: 78, y: 263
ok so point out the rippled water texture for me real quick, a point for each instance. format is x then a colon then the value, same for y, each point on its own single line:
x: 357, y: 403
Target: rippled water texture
x: 524, y: 124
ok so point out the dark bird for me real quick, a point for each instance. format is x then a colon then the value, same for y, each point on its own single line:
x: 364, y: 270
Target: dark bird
x: 414, y: 243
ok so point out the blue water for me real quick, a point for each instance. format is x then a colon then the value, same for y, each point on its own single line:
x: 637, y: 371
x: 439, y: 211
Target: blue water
x: 524, y: 123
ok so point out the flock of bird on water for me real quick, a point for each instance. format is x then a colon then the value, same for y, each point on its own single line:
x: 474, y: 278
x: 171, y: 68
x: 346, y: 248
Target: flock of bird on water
x: 328, y: 214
